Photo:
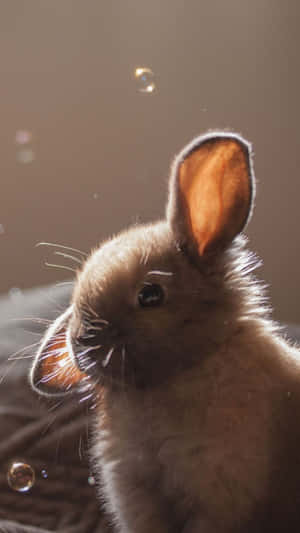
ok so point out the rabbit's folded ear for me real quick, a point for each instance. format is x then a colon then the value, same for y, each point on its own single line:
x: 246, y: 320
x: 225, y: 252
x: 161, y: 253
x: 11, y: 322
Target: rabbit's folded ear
x: 54, y: 371
x: 211, y: 192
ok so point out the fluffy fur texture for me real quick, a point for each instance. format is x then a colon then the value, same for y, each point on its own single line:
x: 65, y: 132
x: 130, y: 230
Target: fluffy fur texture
x: 196, y: 420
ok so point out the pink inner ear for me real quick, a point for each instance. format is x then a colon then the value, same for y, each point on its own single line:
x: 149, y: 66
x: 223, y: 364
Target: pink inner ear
x: 216, y: 192
x: 57, y: 368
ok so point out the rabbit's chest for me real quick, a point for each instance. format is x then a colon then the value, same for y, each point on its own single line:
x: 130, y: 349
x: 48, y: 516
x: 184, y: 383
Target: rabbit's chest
x: 202, y: 446
x: 221, y: 459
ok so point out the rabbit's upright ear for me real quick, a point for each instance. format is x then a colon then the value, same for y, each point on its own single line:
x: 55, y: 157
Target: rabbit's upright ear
x: 54, y: 371
x: 211, y: 192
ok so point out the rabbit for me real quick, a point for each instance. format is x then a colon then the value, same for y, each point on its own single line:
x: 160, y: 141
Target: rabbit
x: 197, y: 393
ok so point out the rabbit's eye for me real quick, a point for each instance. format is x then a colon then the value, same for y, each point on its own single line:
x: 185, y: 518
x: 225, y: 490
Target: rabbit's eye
x: 151, y: 295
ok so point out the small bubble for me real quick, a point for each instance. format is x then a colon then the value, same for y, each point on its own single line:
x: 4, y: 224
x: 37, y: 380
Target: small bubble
x: 96, y: 196
x: 23, y: 136
x: 145, y: 80
x: 25, y: 155
x: 44, y: 474
x: 15, y: 294
x: 20, y: 477
x: 91, y: 481
x: 2, y: 230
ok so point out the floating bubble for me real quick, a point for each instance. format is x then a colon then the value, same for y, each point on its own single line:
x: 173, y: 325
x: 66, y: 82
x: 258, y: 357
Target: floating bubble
x: 23, y: 136
x: 91, y: 481
x: 144, y: 79
x: 21, y: 477
x: 2, y: 230
x: 15, y: 294
x: 25, y: 155
x: 96, y: 196
x: 44, y: 474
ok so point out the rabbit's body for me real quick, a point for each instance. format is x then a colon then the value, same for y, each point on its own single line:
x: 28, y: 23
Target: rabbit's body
x: 203, y: 441
x: 203, y: 446
x: 196, y: 421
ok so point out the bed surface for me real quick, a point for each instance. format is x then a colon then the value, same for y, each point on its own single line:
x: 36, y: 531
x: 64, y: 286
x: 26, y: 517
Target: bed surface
x: 50, y: 436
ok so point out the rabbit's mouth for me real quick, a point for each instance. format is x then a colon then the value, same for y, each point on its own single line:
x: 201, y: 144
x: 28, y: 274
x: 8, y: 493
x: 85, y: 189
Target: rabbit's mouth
x: 114, y: 365
x: 90, y: 359
x: 107, y: 362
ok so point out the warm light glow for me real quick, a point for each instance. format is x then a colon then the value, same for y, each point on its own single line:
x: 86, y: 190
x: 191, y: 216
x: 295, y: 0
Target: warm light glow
x: 142, y: 70
x: 145, y: 79
x: 23, y: 136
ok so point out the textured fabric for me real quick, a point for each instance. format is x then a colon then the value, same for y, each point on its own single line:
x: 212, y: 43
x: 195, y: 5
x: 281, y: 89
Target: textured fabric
x: 48, y: 435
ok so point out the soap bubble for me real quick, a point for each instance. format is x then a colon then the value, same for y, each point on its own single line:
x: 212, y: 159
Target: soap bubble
x: 96, y: 196
x: 144, y: 79
x: 25, y: 155
x: 23, y: 136
x: 91, y: 481
x: 2, y: 230
x: 20, y: 477
x: 44, y: 474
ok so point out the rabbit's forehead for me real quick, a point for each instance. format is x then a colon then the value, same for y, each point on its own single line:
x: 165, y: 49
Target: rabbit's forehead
x: 134, y: 249
x: 122, y: 263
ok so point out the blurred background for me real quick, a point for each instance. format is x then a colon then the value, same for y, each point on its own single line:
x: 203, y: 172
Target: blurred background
x: 97, y: 97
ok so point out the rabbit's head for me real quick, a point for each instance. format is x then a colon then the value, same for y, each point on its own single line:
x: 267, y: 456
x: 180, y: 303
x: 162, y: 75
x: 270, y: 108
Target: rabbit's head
x: 159, y: 298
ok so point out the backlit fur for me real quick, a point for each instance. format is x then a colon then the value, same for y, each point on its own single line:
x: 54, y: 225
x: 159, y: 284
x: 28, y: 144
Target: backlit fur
x: 196, y: 427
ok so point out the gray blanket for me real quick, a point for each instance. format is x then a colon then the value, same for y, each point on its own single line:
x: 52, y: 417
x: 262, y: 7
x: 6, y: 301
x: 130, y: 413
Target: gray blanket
x: 51, y: 436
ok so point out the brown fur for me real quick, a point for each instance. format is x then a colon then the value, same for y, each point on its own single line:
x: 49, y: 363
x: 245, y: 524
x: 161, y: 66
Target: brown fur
x: 195, y: 423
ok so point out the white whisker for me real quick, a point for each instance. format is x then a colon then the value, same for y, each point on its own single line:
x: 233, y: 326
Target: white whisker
x: 85, y: 398
x: 159, y: 273
x: 89, y: 349
x: 48, y: 377
x: 91, y: 310
x: 61, y: 246
x: 90, y: 365
x: 53, y: 353
x: 64, y: 267
x: 21, y: 357
x: 68, y: 256
x: 145, y: 257
x: 57, y: 404
x: 33, y: 319
x: 64, y: 283
x: 108, y: 356
x: 18, y: 352
x: 94, y: 328
x: 123, y: 363
x: 8, y: 369
x: 80, y: 448
x: 100, y: 321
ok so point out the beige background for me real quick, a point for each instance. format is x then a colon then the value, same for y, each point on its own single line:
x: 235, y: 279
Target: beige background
x: 102, y: 149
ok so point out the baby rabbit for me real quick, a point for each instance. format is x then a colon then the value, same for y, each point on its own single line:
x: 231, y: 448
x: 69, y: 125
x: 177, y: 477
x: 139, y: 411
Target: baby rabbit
x: 197, y: 424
